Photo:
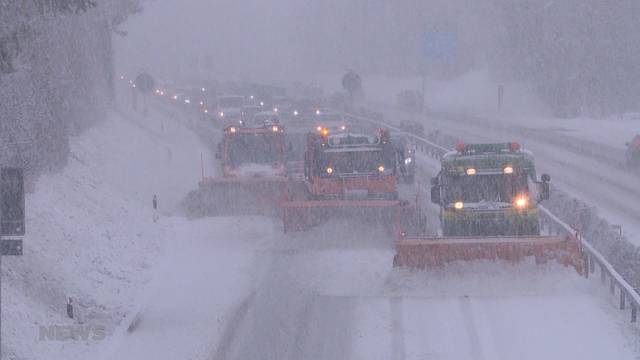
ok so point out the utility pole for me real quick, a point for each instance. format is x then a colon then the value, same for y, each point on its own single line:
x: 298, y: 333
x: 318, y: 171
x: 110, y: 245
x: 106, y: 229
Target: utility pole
x: 12, y: 220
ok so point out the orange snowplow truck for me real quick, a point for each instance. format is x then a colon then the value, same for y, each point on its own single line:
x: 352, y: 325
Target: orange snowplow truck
x: 345, y: 175
x: 253, y: 168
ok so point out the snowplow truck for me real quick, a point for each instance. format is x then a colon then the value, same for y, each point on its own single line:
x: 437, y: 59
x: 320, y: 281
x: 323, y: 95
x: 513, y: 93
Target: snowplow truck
x: 345, y: 176
x: 488, y: 197
x: 253, y: 173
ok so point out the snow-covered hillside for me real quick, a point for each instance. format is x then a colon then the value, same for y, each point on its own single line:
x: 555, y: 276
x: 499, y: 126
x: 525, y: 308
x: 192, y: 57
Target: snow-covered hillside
x: 90, y: 233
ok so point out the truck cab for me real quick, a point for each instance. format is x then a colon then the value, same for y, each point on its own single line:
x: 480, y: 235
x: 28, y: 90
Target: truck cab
x: 489, y: 189
x: 253, y: 152
x: 350, y: 166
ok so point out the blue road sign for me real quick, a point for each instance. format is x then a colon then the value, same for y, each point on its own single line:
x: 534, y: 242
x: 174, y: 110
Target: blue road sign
x: 440, y: 46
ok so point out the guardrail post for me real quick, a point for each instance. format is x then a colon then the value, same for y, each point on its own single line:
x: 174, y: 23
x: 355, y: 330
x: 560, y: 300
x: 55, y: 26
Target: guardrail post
x: 603, y: 274
x: 634, y: 312
x: 592, y: 266
x: 622, y: 299
x: 587, y: 266
x: 612, y: 284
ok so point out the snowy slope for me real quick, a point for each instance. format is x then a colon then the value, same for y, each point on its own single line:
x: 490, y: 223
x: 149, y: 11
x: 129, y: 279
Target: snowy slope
x: 90, y: 233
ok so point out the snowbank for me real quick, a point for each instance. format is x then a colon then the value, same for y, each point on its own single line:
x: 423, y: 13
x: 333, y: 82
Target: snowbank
x: 90, y: 233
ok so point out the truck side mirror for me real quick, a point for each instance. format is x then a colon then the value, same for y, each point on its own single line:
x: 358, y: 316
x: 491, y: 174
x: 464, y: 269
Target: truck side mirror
x: 544, y: 191
x: 543, y: 188
x: 435, y: 194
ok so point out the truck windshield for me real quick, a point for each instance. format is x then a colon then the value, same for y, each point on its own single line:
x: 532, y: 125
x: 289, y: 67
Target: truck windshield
x: 255, y: 149
x: 479, y: 188
x: 354, y: 162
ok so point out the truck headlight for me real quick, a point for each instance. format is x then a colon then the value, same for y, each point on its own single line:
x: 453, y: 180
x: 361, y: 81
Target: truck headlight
x: 521, y: 201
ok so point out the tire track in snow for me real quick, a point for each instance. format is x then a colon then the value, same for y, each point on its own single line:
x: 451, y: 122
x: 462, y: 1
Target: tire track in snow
x: 475, y: 346
x: 397, y: 329
x: 231, y: 330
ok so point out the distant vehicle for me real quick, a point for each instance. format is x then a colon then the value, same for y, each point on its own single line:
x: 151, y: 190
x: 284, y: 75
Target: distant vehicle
x: 411, y: 100
x: 265, y: 118
x: 331, y: 122
x: 306, y: 108
x: 247, y: 112
x: 407, y: 161
x: 632, y: 153
x: 229, y: 108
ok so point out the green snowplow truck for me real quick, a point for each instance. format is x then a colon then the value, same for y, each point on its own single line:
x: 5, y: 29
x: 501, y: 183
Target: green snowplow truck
x: 489, y: 190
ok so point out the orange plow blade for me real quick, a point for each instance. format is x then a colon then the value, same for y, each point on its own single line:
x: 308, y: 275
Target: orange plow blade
x: 425, y: 252
x: 237, y: 196
x: 301, y: 215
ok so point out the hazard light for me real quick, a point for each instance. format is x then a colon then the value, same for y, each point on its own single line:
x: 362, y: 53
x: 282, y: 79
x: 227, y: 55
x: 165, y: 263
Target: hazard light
x: 459, y: 205
x: 507, y: 170
x: 460, y: 147
x: 324, y: 132
x: 514, y: 146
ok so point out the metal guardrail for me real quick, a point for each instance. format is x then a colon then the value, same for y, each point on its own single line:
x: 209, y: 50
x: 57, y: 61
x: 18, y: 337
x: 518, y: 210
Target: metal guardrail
x: 592, y: 257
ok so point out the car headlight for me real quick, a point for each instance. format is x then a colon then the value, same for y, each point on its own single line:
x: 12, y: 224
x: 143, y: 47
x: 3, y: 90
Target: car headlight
x: 459, y: 205
x: 221, y: 114
x: 381, y: 168
x: 329, y: 170
x: 407, y: 161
